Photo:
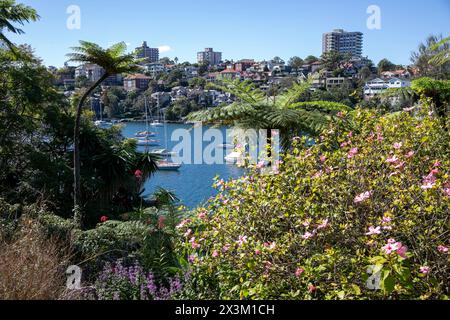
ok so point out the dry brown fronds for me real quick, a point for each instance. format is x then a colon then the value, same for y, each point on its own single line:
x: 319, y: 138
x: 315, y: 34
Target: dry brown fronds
x: 31, y: 267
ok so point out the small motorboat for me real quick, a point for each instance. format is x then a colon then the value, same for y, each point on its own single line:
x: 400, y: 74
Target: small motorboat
x: 168, y: 166
x: 103, y: 124
x: 162, y: 152
x: 147, y: 142
x: 157, y: 124
x: 145, y: 134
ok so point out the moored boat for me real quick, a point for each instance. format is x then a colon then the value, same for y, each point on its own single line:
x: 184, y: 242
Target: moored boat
x: 145, y: 134
x: 168, y: 166
x: 147, y: 142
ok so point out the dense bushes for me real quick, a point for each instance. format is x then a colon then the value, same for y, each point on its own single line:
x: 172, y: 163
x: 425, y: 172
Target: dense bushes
x: 362, y: 214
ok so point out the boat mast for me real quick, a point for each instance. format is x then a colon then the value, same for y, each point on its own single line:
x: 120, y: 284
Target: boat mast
x: 146, y: 124
x: 146, y: 115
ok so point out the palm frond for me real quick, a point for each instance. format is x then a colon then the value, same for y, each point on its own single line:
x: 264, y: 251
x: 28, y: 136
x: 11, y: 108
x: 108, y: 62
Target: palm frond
x: 324, y: 106
x: 293, y: 94
x: 245, y: 91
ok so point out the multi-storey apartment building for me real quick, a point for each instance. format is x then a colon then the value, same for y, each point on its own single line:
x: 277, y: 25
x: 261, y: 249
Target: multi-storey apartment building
x: 209, y: 55
x: 343, y: 42
x: 145, y: 52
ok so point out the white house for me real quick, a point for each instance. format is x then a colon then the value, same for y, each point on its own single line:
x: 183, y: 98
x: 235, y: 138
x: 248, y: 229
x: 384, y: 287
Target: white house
x: 377, y: 86
x: 91, y: 71
x: 154, y: 69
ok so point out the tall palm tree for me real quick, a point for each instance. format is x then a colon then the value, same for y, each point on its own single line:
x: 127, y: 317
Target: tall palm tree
x: 11, y: 13
x: 254, y: 109
x: 113, y: 60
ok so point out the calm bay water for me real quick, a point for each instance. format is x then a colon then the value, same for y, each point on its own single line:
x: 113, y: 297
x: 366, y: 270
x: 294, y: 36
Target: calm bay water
x: 192, y: 183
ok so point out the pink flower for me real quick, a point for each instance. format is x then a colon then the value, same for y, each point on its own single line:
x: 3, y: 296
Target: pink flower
x: 323, y: 225
x: 260, y: 165
x: 323, y: 158
x: 424, y: 270
x: 312, y: 288
x: 394, y: 174
x: 215, y: 254
x: 299, y: 272
x: 442, y: 249
x: 363, y: 196
x: 391, y: 241
x: 386, y: 220
x: 398, y: 145
x: 437, y: 164
x: 194, y: 244
x: 226, y: 248
x: 373, y: 231
x: 202, y: 215
x: 103, y: 219
x: 257, y: 252
x: 318, y: 174
x: 429, y: 181
x: 138, y: 174
x: 307, y: 235
x: 188, y: 233
x: 183, y: 223
x: 353, y: 152
x: 242, y: 240
x: 401, y: 251
x: 410, y: 154
x: 191, y: 259
x: 393, y: 159
x: 270, y: 245
x: 400, y: 165
x: 389, y: 248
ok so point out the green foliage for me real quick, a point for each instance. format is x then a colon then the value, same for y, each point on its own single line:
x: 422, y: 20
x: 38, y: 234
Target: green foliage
x: 56, y: 227
x: 385, y: 65
x: 435, y: 93
x: 12, y: 13
x: 111, y: 240
x: 443, y: 52
x: 254, y: 109
x: 431, y: 59
x: 371, y: 203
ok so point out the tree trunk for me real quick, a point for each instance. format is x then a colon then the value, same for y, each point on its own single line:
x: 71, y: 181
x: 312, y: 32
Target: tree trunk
x: 77, y: 205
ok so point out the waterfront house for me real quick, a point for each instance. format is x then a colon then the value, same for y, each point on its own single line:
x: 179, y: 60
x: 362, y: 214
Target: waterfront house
x: 136, y: 82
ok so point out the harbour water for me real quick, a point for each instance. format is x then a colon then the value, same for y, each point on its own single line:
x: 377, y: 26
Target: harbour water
x: 193, y: 182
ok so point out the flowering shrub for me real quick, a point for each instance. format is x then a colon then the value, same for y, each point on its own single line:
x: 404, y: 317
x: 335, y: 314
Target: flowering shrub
x: 118, y: 282
x: 362, y: 214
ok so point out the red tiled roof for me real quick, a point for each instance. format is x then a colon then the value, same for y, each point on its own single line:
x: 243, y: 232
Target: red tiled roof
x: 229, y: 71
x: 137, y: 76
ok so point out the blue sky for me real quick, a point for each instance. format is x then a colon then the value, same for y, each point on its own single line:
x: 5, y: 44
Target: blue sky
x: 259, y: 29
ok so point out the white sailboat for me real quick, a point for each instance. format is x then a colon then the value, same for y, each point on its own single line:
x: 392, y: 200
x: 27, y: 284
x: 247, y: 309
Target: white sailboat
x: 167, y: 164
x: 143, y: 138
x: 101, y: 124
